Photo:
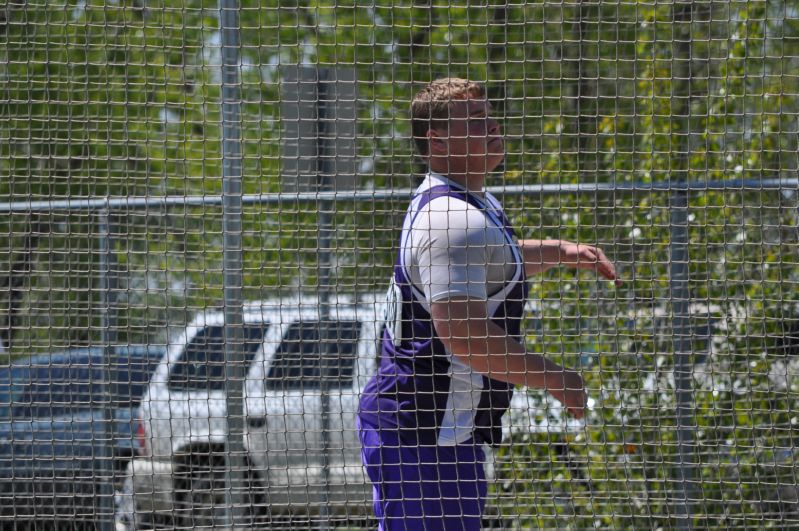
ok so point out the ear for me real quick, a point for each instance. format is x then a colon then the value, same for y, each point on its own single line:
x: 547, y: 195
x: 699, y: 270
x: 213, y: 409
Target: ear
x: 436, y: 141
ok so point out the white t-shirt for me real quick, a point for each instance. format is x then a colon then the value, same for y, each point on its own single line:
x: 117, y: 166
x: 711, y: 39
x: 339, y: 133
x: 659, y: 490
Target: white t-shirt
x: 455, y: 249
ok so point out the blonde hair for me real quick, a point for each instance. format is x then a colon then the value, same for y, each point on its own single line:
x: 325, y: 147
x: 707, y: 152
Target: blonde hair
x: 430, y: 107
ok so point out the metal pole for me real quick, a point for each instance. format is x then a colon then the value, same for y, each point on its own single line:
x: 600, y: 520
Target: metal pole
x: 235, y: 367
x: 325, y: 219
x: 313, y: 198
x: 678, y: 270
x: 107, y: 331
x: 681, y: 344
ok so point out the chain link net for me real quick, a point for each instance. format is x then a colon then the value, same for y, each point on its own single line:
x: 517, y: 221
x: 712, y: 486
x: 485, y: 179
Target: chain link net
x: 664, y: 133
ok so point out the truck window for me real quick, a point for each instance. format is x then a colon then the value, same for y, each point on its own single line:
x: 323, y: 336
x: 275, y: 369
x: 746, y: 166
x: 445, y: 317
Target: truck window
x: 312, y: 352
x: 202, y: 366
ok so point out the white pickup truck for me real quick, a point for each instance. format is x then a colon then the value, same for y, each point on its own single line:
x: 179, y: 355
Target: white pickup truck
x: 293, y: 466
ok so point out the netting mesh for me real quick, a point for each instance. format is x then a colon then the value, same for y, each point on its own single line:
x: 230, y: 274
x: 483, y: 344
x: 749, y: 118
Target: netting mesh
x: 201, y: 208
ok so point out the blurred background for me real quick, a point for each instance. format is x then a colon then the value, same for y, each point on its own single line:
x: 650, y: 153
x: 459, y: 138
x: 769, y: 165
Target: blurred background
x: 163, y: 159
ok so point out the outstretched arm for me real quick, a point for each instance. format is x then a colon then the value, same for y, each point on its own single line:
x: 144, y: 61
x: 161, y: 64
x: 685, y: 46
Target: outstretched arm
x: 542, y: 255
x: 467, y: 332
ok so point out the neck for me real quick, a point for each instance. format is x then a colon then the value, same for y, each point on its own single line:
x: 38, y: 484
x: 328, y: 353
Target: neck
x: 473, y: 182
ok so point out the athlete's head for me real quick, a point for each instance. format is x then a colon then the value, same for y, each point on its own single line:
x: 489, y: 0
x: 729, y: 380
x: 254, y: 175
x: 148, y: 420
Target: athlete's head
x: 453, y: 130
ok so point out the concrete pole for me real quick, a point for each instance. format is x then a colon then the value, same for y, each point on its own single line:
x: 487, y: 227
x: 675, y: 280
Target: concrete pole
x: 324, y: 237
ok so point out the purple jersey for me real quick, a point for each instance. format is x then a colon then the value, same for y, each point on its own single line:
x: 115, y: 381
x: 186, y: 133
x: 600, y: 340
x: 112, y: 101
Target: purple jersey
x: 420, y: 390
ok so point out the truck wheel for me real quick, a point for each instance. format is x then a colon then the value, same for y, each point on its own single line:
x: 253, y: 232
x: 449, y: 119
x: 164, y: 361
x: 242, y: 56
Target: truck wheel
x: 200, y: 493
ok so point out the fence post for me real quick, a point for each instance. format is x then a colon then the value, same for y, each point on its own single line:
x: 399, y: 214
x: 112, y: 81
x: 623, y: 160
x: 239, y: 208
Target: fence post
x: 235, y: 365
x: 681, y: 346
x: 678, y: 266
x: 108, y: 339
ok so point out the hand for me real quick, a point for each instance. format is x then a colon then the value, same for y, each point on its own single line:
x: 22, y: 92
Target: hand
x: 574, y: 400
x: 588, y: 257
x: 571, y: 393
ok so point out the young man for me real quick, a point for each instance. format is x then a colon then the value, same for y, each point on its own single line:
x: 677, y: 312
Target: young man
x: 452, y: 349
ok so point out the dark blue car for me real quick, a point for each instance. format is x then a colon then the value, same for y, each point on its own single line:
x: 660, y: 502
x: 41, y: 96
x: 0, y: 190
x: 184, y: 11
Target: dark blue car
x: 54, y: 436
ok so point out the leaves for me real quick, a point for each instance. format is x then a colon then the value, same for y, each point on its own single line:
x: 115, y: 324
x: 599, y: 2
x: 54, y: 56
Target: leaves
x: 115, y: 99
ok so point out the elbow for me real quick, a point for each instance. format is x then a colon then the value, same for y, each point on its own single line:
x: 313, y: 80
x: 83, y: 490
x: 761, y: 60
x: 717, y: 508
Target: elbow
x: 455, y: 340
x: 460, y: 339
x: 457, y: 346
x: 466, y: 343
x: 461, y: 326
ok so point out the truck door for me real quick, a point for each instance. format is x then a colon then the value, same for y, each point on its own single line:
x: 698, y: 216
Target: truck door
x: 313, y: 357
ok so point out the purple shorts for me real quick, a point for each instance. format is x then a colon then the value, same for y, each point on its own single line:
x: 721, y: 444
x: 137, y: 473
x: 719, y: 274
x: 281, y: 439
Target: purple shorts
x: 423, y: 487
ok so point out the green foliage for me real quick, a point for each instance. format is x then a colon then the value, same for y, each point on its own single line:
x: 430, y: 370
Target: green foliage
x: 115, y: 99
x: 741, y: 250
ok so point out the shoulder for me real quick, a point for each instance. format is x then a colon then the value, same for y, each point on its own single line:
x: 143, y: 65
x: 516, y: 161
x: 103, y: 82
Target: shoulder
x: 447, y: 212
x: 493, y: 203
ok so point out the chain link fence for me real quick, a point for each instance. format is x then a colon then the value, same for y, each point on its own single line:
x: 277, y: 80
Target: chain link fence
x: 200, y: 209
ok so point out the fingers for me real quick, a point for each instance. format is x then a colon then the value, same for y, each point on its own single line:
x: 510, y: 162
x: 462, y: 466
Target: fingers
x: 594, y: 258
x: 577, y: 412
x: 576, y: 402
x: 606, y: 268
